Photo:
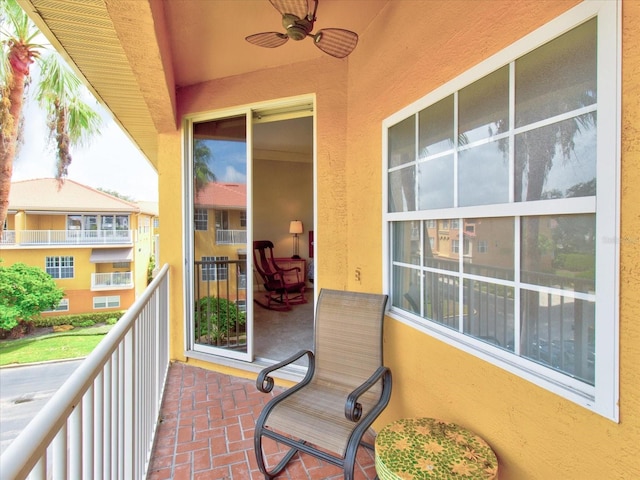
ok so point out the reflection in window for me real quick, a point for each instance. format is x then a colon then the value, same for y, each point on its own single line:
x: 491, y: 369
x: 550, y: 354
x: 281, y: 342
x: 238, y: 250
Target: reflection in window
x: 483, y: 175
x: 484, y: 107
x: 557, y: 160
x: 560, y: 252
x: 201, y: 219
x: 522, y: 282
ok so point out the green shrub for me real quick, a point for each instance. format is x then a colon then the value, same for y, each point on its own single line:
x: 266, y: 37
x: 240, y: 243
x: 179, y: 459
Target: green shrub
x: 77, y: 319
x: 216, y: 318
x: 83, y: 323
x: 575, y: 262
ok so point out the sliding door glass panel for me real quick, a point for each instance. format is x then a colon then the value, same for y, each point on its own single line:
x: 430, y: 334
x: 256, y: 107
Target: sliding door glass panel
x: 220, y: 237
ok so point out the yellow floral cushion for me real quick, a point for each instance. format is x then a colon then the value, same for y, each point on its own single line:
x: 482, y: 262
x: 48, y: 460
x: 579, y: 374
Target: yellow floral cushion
x: 426, y: 448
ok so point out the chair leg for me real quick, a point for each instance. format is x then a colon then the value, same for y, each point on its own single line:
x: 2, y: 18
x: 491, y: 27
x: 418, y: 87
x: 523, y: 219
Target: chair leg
x: 262, y: 466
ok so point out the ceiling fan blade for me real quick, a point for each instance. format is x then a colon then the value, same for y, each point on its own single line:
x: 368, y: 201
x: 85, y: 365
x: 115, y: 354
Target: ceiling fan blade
x: 337, y: 42
x: 267, y: 39
x: 299, y: 8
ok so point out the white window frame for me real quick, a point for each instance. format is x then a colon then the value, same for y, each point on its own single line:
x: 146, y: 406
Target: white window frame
x: 602, y: 398
x: 111, y: 301
x: 200, y: 216
x: 63, y: 306
x: 214, y: 273
x: 64, y: 262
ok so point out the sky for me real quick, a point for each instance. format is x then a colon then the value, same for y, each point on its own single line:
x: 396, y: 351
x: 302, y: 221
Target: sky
x: 109, y: 160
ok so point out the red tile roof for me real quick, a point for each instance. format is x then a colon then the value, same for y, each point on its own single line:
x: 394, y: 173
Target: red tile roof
x: 225, y: 195
x: 47, y: 194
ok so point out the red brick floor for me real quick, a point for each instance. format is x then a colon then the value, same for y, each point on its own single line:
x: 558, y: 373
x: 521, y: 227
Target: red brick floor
x: 206, y: 432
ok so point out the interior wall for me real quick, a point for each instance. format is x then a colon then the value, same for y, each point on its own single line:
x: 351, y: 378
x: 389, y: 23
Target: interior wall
x: 283, y: 191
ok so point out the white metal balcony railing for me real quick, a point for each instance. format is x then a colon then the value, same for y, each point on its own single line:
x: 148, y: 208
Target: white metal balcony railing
x: 231, y: 237
x: 8, y: 237
x: 101, y: 423
x: 111, y: 281
x: 67, y: 237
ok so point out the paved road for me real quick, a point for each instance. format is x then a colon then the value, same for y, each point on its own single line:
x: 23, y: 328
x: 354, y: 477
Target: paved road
x: 24, y: 391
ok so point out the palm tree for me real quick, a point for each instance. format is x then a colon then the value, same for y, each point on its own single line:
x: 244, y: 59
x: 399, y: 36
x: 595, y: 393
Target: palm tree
x: 201, y: 172
x: 70, y: 120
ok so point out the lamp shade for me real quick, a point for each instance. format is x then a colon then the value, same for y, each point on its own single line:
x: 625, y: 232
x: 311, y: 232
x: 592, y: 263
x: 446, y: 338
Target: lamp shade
x: 295, y: 226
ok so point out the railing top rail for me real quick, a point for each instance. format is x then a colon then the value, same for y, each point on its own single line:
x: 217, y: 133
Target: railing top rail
x: 23, y: 453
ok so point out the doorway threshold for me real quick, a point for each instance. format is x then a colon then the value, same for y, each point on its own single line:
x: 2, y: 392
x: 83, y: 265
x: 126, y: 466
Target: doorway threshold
x: 292, y: 373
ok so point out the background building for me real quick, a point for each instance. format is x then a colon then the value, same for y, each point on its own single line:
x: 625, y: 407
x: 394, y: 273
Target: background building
x: 96, y: 246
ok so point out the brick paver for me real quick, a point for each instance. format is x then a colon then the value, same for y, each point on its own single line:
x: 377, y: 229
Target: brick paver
x: 206, y: 429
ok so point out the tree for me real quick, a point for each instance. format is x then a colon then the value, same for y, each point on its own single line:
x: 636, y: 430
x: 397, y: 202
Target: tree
x: 201, y: 172
x: 25, y: 291
x: 70, y: 120
x: 113, y: 193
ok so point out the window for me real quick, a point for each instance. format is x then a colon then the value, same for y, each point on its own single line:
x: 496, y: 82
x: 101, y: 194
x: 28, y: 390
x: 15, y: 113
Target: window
x: 63, y: 306
x: 516, y: 151
x: 112, y: 301
x: 243, y: 218
x: 91, y: 222
x: 211, y: 271
x: 222, y: 220
x: 201, y: 219
x: 59, y: 267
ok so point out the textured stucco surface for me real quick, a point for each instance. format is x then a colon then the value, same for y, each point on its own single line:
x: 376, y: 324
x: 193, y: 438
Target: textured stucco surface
x: 536, y: 434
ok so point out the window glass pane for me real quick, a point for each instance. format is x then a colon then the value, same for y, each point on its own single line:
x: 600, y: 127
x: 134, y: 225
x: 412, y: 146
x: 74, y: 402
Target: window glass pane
x: 557, y: 160
x: 483, y: 107
x: 122, y: 222
x: 107, y: 222
x: 74, y: 222
x: 557, y: 77
x: 406, y: 240
x: 402, y: 190
x: 436, y: 183
x: 91, y: 222
x: 491, y: 251
x: 402, y: 142
x: 441, y: 299
x: 436, y: 128
x: 489, y: 313
x: 559, y: 252
x: 406, y: 289
x: 483, y: 175
x: 559, y: 332
x: 438, y: 248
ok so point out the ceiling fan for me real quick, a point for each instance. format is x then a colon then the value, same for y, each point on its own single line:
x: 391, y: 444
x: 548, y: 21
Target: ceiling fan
x: 298, y: 20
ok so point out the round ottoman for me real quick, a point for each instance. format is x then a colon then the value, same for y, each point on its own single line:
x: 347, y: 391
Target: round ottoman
x: 417, y: 448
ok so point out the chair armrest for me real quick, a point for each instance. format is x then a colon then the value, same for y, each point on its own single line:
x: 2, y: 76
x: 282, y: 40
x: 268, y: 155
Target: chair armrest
x: 352, y: 408
x: 265, y: 383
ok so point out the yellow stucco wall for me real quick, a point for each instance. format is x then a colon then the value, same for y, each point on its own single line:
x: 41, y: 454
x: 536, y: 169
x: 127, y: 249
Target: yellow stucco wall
x: 536, y: 434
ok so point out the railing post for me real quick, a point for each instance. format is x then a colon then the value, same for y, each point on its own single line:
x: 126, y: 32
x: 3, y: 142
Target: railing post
x: 128, y: 394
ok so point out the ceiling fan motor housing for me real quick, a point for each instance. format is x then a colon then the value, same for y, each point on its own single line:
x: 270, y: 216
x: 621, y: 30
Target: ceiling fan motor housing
x: 297, y: 29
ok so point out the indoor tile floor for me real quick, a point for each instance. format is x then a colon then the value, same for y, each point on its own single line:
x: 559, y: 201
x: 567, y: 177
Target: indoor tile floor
x: 206, y: 432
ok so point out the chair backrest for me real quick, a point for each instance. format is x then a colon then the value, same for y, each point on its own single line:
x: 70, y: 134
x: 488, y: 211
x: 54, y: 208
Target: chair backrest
x: 263, y: 259
x: 348, y: 340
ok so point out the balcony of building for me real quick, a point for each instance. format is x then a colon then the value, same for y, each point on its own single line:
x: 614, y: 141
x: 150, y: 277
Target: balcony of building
x: 231, y: 237
x: 30, y: 238
x: 111, y: 281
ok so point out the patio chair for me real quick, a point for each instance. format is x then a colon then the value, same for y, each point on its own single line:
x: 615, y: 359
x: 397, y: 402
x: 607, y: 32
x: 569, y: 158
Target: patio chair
x: 284, y: 286
x: 344, y: 390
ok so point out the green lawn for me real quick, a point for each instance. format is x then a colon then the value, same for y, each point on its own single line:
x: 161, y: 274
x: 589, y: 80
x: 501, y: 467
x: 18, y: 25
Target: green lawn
x: 75, y: 343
